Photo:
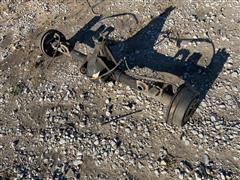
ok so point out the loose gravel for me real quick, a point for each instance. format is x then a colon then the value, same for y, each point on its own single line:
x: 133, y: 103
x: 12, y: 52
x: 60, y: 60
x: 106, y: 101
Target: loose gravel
x: 57, y: 124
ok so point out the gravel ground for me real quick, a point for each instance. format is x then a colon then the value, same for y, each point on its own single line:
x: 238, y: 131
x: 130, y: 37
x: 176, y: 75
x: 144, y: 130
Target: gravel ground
x: 57, y: 124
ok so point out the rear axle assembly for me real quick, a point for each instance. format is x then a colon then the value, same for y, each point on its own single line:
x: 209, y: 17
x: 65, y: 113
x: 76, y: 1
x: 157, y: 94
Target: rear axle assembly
x: 180, y: 98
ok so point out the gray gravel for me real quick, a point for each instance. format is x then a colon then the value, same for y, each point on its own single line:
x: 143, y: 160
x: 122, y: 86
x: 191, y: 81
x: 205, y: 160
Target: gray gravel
x: 57, y: 124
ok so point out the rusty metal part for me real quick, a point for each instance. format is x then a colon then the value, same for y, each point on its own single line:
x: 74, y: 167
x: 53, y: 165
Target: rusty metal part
x: 169, y: 89
x: 49, y: 38
x: 182, y: 106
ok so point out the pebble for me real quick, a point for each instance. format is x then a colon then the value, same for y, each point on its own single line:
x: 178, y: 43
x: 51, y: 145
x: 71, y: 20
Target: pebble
x: 201, y: 135
x: 213, y: 119
x: 186, y: 141
x: 62, y: 141
x: 203, y: 104
x: 177, y: 171
x: 140, y: 165
x: 163, y: 163
x: 96, y: 142
x: 206, y: 160
x: 156, y: 172
x: 70, y: 174
x: 198, y: 176
x: 234, y: 75
x: 110, y: 84
x: 164, y: 172
x: 108, y: 114
x: 77, y: 162
x: 107, y: 101
x: 181, y: 176
x: 127, y: 130
x: 228, y: 97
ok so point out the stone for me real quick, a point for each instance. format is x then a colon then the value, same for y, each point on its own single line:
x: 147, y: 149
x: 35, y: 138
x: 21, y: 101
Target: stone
x: 110, y: 84
x: 203, y: 104
x: 181, y: 176
x: 108, y: 114
x: 70, y: 174
x: 163, y: 163
x: 164, y: 172
x: 96, y: 142
x: 228, y: 97
x: 197, y: 175
x: 234, y: 74
x: 140, y: 165
x: 107, y: 101
x: 62, y: 141
x: 77, y: 162
x: 177, y: 171
x: 127, y: 130
x: 213, y: 119
x: 156, y: 172
x: 206, y: 160
x: 186, y: 142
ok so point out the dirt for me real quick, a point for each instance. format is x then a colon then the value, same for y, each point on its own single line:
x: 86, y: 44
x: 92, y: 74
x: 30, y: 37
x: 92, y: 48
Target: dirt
x: 43, y: 100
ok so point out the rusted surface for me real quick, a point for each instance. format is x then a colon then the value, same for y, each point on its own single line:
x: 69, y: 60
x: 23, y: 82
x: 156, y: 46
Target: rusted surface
x: 169, y: 89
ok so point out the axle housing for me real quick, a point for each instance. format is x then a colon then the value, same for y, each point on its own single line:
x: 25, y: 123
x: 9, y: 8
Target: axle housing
x: 179, y: 97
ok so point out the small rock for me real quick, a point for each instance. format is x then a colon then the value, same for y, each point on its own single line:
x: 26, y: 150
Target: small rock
x: 163, y: 163
x: 203, y: 104
x: 234, y: 74
x: 222, y: 106
x: 62, y: 141
x: 127, y: 130
x: 228, y: 97
x: 77, y: 162
x: 177, y: 171
x: 45, y: 161
x: 206, y: 160
x: 213, y: 119
x: 107, y: 101
x: 200, y: 135
x: 108, y: 114
x: 156, y: 172
x: 186, y: 142
x: 140, y: 165
x: 70, y: 174
x: 110, y: 84
x: 163, y: 172
x: 181, y: 176
x: 96, y: 142
x: 198, y: 175
x: 222, y: 176
x: 194, y: 132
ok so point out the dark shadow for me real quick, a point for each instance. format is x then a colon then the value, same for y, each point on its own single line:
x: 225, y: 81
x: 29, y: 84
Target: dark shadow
x: 182, y: 54
x: 85, y: 35
x: 138, y: 51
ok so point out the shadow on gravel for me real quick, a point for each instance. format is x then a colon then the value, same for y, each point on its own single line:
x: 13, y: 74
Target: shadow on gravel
x: 138, y: 51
